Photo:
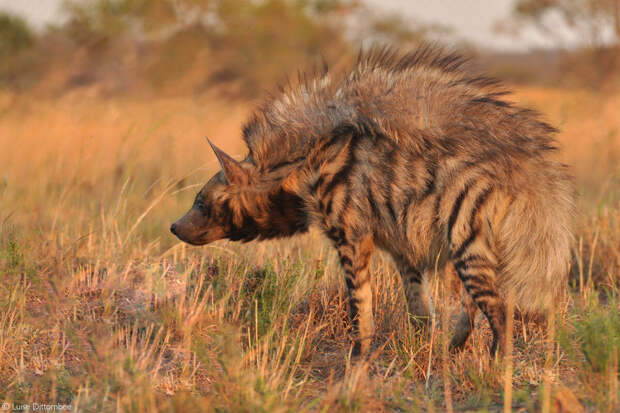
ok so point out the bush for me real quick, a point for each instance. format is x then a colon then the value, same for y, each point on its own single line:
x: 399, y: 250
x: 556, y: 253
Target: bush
x: 15, y: 35
x: 16, y: 39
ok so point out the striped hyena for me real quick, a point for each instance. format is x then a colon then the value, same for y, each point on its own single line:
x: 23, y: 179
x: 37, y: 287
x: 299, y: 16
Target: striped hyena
x: 411, y: 154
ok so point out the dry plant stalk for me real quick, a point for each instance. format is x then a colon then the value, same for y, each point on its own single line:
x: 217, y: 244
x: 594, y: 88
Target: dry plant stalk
x: 508, y: 356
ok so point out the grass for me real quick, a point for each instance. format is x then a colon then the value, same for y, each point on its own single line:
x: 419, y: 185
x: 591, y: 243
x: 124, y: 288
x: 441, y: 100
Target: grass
x: 101, y: 308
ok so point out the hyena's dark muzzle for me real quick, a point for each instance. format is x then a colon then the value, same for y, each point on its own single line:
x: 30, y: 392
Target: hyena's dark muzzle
x: 194, y: 229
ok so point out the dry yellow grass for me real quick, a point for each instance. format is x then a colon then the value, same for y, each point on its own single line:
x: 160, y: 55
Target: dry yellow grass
x: 102, y: 308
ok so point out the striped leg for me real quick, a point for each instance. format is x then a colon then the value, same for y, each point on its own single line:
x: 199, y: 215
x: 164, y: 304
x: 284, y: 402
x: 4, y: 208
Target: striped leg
x: 474, y: 261
x: 417, y: 300
x: 484, y: 293
x: 355, y: 260
x: 465, y: 324
x: 477, y: 271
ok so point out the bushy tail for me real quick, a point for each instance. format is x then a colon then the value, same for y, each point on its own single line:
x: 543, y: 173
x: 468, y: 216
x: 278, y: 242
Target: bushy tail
x: 535, y: 239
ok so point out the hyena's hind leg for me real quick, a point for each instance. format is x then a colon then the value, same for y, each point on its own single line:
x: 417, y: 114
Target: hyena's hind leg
x: 474, y: 261
x: 480, y: 283
x: 418, y: 302
x: 465, y: 324
x: 355, y: 260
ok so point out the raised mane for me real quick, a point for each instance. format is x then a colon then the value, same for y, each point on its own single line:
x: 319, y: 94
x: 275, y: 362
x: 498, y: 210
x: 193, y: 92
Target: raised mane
x: 428, y: 55
x: 414, y: 98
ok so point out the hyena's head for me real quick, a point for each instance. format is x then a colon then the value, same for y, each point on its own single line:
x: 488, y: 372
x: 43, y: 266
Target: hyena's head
x: 211, y: 217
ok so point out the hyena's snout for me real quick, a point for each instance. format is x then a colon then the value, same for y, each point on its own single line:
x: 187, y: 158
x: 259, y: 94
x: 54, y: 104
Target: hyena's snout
x: 179, y: 229
x: 195, y: 229
x: 173, y: 228
x: 187, y: 228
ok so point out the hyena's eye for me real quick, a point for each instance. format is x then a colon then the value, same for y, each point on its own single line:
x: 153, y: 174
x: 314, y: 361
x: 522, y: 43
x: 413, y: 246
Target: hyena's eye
x: 201, y: 206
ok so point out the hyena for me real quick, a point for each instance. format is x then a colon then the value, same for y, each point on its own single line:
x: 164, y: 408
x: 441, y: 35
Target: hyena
x: 411, y: 154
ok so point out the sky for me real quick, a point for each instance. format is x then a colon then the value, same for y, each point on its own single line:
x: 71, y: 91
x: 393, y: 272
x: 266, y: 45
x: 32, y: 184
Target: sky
x: 472, y: 20
x: 37, y: 12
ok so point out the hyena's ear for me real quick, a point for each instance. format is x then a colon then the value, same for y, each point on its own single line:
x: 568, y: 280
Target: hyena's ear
x: 233, y: 171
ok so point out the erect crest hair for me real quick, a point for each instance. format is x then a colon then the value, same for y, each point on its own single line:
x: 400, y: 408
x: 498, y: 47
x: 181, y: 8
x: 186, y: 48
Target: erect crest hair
x: 409, y: 97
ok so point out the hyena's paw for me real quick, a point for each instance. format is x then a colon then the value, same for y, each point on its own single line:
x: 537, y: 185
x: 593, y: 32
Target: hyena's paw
x: 420, y: 314
x: 361, y: 348
x: 462, y: 331
x: 459, y: 339
x: 498, y: 345
x: 420, y: 323
x: 362, y: 337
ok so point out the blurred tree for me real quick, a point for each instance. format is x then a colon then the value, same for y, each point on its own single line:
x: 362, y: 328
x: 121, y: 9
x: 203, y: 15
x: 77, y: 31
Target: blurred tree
x: 396, y: 30
x: 15, y: 35
x: 159, y: 17
x: 261, y: 40
x: 597, y: 20
x: 16, y: 40
x: 253, y: 42
x: 94, y: 20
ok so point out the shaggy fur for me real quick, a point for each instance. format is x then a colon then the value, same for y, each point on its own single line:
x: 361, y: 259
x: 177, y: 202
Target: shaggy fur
x: 410, y: 154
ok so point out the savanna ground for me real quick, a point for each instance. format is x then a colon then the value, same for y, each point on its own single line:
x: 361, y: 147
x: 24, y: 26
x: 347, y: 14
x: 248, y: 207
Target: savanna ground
x: 103, y: 309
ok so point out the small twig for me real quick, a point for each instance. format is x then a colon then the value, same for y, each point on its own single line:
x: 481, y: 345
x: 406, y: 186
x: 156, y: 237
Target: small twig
x: 510, y: 310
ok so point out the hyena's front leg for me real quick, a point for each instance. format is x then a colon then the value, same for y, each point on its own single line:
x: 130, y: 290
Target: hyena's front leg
x: 355, y: 260
x: 418, y: 304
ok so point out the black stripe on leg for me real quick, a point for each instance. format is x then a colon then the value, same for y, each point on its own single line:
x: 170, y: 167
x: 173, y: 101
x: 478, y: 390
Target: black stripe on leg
x: 350, y: 284
x: 478, y: 203
x: 470, y: 260
x: 353, y: 303
x: 481, y: 266
x: 475, y: 265
x: 480, y: 294
x: 455, y: 210
x: 472, y: 280
x: 463, y: 247
x: 346, y: 262
x: 480, y: 199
